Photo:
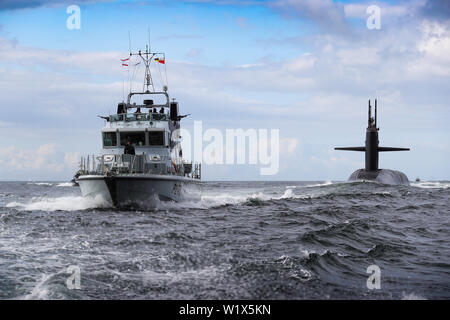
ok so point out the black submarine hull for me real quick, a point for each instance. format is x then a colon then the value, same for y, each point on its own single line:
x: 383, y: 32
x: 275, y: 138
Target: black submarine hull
x: 384, y: 176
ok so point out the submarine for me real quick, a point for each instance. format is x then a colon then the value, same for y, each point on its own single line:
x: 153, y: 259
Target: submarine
x: 371, y: 172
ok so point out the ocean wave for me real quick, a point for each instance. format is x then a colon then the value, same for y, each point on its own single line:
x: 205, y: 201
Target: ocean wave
x: 65, y: 184
x: 215, y: 200
x: 288, y: 193
x: 412, y: 296
x: 40, y: 183
x: 345, y: 229
x: 69, y: 203
x: 327, y: 189
x: 431, y: 185
x: 326, y: 183
x: 40, y: 291
x: 297, y: 271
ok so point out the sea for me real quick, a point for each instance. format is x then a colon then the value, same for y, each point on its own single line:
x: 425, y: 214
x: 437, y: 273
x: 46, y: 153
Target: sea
x: 242, y: 240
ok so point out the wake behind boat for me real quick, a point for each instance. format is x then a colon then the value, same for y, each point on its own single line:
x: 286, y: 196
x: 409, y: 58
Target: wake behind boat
x: 141, y: 160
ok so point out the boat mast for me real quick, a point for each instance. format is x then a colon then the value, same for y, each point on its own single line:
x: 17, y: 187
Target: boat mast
x: 146, y: 57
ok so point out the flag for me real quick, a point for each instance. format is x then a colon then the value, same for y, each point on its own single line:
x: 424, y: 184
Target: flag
x: 160, y: 60
x: 124, y: 64
x: 125, y: 59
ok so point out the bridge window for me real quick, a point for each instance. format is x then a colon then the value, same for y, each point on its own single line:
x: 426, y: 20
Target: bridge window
x: 159, y: 116
x: 156, y: 138
x: 109, y: 139
x: 136, y: 138
x: 116, y: 117
x: 142, y: 117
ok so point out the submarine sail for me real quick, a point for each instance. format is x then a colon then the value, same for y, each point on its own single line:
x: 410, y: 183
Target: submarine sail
x: 371, y: 150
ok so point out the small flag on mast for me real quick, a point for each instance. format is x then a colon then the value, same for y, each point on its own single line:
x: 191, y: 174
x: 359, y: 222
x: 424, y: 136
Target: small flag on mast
x: 160, y: 60
x: 125, y: 64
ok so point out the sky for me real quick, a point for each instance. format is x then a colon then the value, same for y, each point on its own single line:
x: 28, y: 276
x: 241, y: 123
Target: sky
x: 306, y: 68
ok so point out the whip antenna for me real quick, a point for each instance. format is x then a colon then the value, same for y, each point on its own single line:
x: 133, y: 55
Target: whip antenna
x: 149, y: 48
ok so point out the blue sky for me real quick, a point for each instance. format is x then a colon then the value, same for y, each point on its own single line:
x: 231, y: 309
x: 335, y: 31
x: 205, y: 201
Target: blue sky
x: 306, y: 68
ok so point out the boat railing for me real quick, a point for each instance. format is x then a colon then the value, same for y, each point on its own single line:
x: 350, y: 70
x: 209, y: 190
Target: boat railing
x: 127, y: 117
x: 113, y: 164
x: 197, y: 172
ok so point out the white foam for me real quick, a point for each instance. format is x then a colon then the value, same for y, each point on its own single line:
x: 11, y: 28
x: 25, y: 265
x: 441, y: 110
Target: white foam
x: 288, y: 193
x: 65, y: 184
x: 210, y: 200
x: 326, y: 183
x: 223, y: 199
x: 412, y: 296
x: 431, y: 185
x: 40, y: 290
x: 41, y: 183
x: 70, y: 203
x: 306, y: 253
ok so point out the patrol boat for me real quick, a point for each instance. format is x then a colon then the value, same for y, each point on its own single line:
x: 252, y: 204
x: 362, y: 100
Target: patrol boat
x: 141, y: 160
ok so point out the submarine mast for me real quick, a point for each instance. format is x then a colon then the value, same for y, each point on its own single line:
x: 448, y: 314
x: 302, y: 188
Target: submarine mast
x: 372, y: 147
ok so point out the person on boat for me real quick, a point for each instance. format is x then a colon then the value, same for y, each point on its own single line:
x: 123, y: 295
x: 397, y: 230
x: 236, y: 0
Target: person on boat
x: 154, y: 110
x: 129, y: 148
x: 162, y: 110
x: 138, y: 110
x: 120, y: 108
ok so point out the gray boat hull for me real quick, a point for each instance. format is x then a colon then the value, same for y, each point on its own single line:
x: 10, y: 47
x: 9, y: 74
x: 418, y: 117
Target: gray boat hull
x: 139, y: 190
x: 384, y: 176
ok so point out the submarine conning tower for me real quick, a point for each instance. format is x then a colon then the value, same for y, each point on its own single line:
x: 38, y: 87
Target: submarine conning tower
x: 371, y: 149
x: 372, y: 141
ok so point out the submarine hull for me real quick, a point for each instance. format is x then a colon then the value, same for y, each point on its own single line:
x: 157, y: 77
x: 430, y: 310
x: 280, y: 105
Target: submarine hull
x: 384, y: 176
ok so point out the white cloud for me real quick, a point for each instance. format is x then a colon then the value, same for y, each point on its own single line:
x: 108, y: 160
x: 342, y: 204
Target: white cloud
x: 367, y: 56
x: 435, y: 49
x: 42, y: 158
x: 46, y: 161
x: 288, y: 145
x: 61, y: 61
x: 358, y: 10
x: 72, y: 159
x: 326, y: 13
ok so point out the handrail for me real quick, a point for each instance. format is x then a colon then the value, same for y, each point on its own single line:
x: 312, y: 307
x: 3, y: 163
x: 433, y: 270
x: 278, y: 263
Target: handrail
x: 141, y: 163
x: 132, y: 163
x: 127, y: 117
x: 129, y: 105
